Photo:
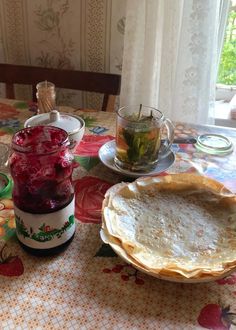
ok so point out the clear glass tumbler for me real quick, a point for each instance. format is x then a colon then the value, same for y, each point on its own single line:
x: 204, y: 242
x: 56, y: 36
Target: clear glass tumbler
x: 46, y: 96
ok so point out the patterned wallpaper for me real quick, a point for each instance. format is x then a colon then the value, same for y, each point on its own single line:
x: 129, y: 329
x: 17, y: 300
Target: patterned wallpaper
x: 74, y: 34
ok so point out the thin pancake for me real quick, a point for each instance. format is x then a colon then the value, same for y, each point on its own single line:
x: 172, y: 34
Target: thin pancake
x: 181, y: 224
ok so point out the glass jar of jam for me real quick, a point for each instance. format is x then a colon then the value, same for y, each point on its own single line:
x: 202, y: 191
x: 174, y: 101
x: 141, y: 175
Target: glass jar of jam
x: 41, y: 166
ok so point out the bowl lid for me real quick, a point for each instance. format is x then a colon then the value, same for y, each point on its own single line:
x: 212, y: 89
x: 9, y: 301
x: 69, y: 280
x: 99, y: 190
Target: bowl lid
x: 69, y: 123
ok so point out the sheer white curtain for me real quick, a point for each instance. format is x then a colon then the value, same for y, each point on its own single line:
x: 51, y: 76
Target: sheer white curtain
x: 171, y: 52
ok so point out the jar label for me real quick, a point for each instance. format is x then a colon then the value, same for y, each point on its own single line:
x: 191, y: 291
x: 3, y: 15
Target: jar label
x: 45, y: 231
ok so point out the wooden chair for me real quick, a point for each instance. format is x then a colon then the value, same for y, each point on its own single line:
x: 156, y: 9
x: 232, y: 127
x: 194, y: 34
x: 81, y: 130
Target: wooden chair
x: 104, y: 83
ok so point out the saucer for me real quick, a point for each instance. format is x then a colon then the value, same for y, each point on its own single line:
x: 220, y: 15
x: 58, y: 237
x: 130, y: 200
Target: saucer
x: 107, y: 153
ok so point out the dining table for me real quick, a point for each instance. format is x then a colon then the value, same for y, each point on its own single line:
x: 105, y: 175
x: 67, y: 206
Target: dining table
x: 88, y: 286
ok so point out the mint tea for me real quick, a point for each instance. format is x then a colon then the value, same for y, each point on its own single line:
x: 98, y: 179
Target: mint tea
x: 138, y: 138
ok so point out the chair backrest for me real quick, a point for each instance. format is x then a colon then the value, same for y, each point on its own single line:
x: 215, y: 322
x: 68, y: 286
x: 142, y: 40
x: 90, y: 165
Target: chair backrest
x: 104, y: 83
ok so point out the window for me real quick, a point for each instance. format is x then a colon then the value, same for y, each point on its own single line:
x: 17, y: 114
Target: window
x: 226, y: 82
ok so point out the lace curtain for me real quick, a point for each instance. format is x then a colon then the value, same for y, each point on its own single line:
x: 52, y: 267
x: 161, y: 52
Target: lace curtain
x: 171, y: 55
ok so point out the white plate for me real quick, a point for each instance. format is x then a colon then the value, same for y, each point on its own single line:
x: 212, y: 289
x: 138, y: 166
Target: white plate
x: 123, y: 255
x: 107, y: 153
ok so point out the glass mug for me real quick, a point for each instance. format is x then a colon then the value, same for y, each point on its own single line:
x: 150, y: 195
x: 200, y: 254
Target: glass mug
x: 139, y: 132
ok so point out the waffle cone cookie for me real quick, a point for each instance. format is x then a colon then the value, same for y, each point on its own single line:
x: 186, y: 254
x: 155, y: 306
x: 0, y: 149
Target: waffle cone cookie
x: 178, y: 227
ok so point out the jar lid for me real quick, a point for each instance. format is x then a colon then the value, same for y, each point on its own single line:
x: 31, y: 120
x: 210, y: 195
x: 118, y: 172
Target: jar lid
x: 214, y: 144
x: 70, y: 123
x: 5, y: 185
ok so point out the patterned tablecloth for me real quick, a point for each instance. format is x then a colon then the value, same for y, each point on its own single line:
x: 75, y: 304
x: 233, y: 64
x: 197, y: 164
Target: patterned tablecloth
x: 88, y: 286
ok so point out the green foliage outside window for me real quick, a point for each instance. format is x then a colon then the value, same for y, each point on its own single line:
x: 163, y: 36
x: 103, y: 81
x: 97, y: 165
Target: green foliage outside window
x: 227, y: 67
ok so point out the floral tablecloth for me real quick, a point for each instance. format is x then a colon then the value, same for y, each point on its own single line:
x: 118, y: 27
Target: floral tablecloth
x: 88, y: 286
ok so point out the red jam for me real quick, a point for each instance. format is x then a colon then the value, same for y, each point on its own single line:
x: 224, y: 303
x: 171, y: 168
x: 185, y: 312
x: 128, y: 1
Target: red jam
x: 41, y: 167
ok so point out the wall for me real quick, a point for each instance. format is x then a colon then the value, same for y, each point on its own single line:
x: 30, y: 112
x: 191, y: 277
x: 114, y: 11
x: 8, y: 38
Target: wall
x: 74, y: 34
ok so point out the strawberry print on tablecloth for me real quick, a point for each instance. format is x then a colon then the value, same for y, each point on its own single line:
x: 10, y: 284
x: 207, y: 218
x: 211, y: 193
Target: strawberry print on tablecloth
x: 10, y: 262
x: 126, y: 272
x: 231, y: 280
x: 216, y: 317
x: 89, y: 195
x: 10, y: 265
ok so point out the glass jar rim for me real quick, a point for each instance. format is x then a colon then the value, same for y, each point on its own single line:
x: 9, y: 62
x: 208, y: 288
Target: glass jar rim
x: 40, y: 147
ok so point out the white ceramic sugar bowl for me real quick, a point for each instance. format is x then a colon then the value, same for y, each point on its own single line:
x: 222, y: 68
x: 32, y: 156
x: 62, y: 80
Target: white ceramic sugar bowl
x: 72, y: 124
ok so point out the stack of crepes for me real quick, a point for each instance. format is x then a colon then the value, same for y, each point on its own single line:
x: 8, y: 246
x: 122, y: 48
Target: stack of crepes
x: 179, y: 227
